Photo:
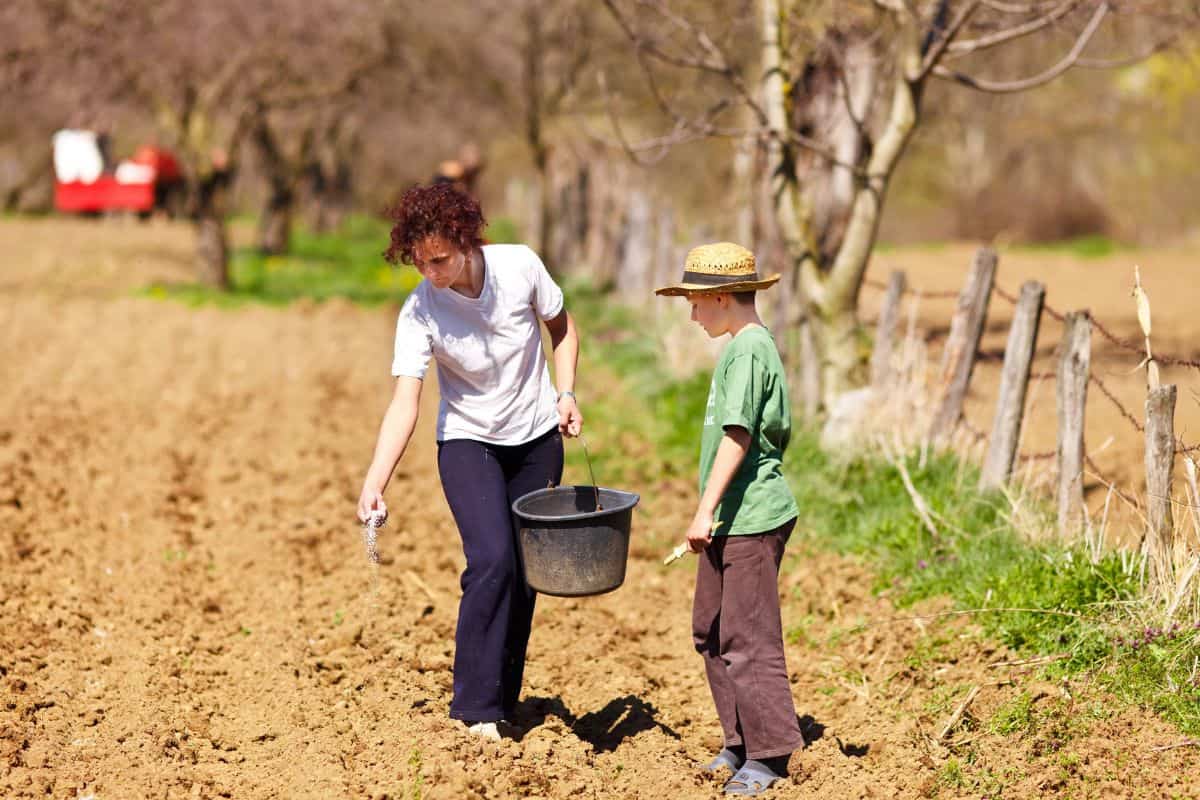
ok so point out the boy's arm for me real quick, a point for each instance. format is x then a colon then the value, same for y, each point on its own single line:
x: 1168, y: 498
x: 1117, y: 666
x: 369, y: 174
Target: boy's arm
x: 730, y: 453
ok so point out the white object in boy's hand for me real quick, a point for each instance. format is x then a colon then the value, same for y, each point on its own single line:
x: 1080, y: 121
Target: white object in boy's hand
x: 682, y: 550
x: 377, y: 517
x: 676, y: 554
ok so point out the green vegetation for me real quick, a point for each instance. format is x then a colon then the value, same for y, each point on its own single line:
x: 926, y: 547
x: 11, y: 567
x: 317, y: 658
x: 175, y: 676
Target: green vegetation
x: 951, y: 774
x: 1016, y: 716
x: 1092, y: 246
x: 416, y: 789
x: 346, y: 263
x: 862, y: 508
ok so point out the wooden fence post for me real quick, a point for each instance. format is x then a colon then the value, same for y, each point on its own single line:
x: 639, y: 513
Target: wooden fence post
x: 1074, y: 363
x: 966, y: 329
x: 881, y: 356
x: 1014, y: 380
x: 1160, y: 466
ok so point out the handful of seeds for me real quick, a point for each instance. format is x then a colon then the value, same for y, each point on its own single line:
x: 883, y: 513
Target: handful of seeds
x: 370, y: 533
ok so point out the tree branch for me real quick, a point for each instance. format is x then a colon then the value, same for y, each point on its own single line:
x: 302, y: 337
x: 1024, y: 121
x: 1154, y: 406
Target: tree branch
x: 342, y: 84
x: 717, y: 64
x: 570, y: 76
x: 816, y: 148
x: 1015, y: 32
x: 1117, y: 63
x: 644, y: 44
x: 858, y: 119
x: 845, y: 274
x: 1004, y: 87
x: 939, y: 45
x: 684, y: 130
x: 701, y: 37
x: 1018, y: 8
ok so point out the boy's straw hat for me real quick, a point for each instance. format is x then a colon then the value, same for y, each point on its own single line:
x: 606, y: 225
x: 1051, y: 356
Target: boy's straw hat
x: 716, y: 268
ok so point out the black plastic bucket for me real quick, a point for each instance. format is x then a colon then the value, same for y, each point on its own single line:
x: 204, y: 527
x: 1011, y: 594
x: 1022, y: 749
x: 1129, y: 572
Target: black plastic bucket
x: 570, y: 549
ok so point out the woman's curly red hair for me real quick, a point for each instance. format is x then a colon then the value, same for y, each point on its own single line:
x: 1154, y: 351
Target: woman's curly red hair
x: 440, y: 209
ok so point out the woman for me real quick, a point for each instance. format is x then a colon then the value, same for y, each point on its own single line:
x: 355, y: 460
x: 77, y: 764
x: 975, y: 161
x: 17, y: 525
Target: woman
x: 500, y: 421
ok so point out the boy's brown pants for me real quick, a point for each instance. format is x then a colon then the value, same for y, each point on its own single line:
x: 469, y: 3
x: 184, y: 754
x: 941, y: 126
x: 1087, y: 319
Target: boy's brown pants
x: 736, y: 626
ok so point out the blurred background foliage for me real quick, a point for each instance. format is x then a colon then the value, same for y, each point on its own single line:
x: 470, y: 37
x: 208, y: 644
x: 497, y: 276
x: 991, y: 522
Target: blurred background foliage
x: 360, y: 100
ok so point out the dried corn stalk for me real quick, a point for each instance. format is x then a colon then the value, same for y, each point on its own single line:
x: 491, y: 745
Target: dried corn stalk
x: 1143, y: 315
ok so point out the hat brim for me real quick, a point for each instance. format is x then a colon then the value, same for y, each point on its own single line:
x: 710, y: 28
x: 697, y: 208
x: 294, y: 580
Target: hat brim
x: 682, y: 289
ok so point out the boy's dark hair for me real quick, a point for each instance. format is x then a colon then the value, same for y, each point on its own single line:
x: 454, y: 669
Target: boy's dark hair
x: 440, y: 209
x: 744, y: 298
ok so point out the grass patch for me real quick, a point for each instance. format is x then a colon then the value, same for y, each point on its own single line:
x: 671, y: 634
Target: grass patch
x: 1085, y: 247
x: 1015, y: 716
x: 862, y: 508
x: 1161, y: 670
x: 346, y: 263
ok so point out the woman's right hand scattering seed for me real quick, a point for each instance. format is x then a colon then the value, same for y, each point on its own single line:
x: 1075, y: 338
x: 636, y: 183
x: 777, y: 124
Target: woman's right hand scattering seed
x: 370, y: 502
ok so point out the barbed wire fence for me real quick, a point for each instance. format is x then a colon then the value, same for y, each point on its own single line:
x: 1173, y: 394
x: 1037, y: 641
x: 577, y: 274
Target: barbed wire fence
x: 1071, y: 379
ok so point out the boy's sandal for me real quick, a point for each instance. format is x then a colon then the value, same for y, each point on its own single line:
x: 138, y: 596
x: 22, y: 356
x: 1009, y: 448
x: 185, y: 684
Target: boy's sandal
x: 751, y: 780
x: 726, y: 759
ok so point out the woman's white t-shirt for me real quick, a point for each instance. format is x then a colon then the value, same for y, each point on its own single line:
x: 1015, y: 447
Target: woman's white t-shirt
x: 492, y: 372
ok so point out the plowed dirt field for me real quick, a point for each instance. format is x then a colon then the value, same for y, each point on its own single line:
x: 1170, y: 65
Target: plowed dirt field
x: 186, y: 611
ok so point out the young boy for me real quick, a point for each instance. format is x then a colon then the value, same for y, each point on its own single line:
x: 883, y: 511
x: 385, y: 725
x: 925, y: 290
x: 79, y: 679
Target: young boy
x: 745, y: 516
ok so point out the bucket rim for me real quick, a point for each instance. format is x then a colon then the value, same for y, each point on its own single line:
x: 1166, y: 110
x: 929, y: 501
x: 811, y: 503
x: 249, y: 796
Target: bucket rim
x: 628, y: 501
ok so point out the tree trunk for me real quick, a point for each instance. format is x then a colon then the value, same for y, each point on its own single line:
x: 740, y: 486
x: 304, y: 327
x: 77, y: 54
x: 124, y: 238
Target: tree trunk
x: 340, y: 197
x: 532, y: 79
x: 328, y: 175
x: 843, y: 362
x: 212, y: 251
x: 212, y: 243
x: 791, y: 223
x: 830, y: 102
x: 833, y: 262
x: 275, y: 225
x: 545, y: 211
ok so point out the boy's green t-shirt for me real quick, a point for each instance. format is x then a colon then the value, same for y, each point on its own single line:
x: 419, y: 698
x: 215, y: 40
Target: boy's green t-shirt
x: 749, y: 390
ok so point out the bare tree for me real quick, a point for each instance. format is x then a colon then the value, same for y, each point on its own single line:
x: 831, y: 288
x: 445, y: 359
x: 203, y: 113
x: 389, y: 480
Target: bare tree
x: 836, y: 92
x: 533, y: 69
x: 211, y: 73
x: 304, y: 153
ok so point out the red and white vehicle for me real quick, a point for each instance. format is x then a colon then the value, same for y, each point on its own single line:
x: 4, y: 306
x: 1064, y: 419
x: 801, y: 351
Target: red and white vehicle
x: 83, y: 186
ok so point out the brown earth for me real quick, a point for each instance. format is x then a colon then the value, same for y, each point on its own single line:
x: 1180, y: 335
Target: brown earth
x: 185, y: 608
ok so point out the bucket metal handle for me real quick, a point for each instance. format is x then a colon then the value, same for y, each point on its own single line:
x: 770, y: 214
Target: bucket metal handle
x: 587, y: 457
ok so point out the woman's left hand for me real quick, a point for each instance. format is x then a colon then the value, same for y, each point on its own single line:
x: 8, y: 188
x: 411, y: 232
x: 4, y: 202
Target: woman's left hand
x: 570, y: 421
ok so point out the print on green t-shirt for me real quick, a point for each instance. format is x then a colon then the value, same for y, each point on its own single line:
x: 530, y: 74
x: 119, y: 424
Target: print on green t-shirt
x: 749, y: 390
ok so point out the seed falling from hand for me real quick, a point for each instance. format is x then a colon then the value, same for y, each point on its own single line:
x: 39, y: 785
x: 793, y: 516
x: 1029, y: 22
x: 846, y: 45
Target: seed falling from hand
x: 370, y: 534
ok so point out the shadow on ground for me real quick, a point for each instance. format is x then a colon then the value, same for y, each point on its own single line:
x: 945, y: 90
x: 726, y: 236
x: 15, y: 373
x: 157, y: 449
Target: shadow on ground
x: 621, y: 718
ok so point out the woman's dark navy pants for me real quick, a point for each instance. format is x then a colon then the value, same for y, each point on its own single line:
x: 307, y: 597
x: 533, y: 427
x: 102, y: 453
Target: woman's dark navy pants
x: 481, y: 481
